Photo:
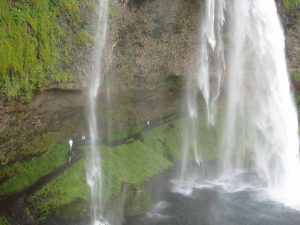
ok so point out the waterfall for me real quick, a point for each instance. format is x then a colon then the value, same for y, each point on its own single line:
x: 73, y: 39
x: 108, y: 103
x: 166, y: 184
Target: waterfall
x: 93, y: 166
x: 242, y: 56
x: 261, y: 126
x: 211, y: 49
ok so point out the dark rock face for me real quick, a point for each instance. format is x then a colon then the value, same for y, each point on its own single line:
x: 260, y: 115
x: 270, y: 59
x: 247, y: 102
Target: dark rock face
x: 49, y: 113
x: 150, y: 43
x: 293, y: 38
x: 290, y: 18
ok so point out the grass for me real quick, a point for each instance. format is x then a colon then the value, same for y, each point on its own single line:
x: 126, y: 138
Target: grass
x: 291, y: 3
x: 210, y: 136
x: 130, y: 163
x: 295, y: 76
x: 3, y: 221
x: 68, y: 195
x: 297, y: 97
x: 165, y: 139
x: 26, y: 173
x: 63, y: 190
x: 39, y: 41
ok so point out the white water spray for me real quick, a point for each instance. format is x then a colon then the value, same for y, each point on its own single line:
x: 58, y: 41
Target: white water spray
x: 260, y: 132
x: 211, y: 49
x: 261, y: 126
x: 93, y: 167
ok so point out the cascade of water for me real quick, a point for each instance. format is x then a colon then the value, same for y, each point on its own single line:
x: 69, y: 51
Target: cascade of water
x: 260, y: 127
x: 93, y: 166
x: 211, y: 48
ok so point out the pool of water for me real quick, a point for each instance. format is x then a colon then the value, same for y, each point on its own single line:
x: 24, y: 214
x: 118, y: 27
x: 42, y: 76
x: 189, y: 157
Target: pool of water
x: 216, y: 206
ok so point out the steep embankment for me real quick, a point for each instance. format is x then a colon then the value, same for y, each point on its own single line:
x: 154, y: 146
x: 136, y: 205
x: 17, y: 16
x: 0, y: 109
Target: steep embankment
x: 42, y: 42
x: 65, y: 194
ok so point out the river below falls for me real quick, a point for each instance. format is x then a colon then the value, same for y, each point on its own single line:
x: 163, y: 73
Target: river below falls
x: 215, y: 206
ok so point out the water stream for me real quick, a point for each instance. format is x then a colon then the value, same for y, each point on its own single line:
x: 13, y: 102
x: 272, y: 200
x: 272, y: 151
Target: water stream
x: 93, y: 166
x: 242, y: 81
x: 242, y: 58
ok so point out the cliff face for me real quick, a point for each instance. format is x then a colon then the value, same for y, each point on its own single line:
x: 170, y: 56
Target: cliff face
x: 42, y: 101
x: 151, y: 42
x: 292, y: 27
x: 48, y: 43
x: 147, y: 56
x: 43, y: 42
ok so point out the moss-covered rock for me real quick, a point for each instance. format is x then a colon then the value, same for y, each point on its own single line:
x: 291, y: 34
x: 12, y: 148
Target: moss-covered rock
x: 3, y: 221
x: 56, y: 196
x: 137, y: 201
x: 291, y: 3
x: 22, y: 174
x: 39, y: 43
x: 129, y: 163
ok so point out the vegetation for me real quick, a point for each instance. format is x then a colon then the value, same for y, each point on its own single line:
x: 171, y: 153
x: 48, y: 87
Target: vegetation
x: 38, y: 40
x: 66, y: 188
x: 132, y: 164
x: 291, y: 3
x: 165, y: 139
x: 3, y: 221
x: 129, y: 163
x: 25, y: 173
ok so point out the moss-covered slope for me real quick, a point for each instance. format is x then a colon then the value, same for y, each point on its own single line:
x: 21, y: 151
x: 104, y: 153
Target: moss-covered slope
x: 291, y: 3
x: 67, y: 195
x: 39, y: 43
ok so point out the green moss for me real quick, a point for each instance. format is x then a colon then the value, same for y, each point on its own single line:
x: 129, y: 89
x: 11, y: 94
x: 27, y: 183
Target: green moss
x: 3, y: 221
x: 83, y: 39
x: 28, y: 215
x: 27, y: 48
x: 42, y: 144
x: 131, y: 163
x: 36, y: 36
x: 113, y: 10
x: 26, y: 173
x: 291, y: 3
x: 32, y: 149
x: 297, y: 97
x: 295, y: 75
x: 125, y: 120
x: 165, y: 139
x: 64, y: 189
x: 137, y: 201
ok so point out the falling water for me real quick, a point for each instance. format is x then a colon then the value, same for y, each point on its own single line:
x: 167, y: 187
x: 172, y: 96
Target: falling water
x: 211, y: 49
x: 93, y: 167
x: 260, y: 127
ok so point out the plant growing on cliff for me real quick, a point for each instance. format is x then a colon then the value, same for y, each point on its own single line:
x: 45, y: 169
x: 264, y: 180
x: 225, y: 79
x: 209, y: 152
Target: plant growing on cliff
x: 291, y: 3
x: 37, y: 42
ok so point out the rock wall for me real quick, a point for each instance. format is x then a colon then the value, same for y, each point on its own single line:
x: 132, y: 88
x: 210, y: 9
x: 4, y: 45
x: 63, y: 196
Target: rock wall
x: 148, y: 56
